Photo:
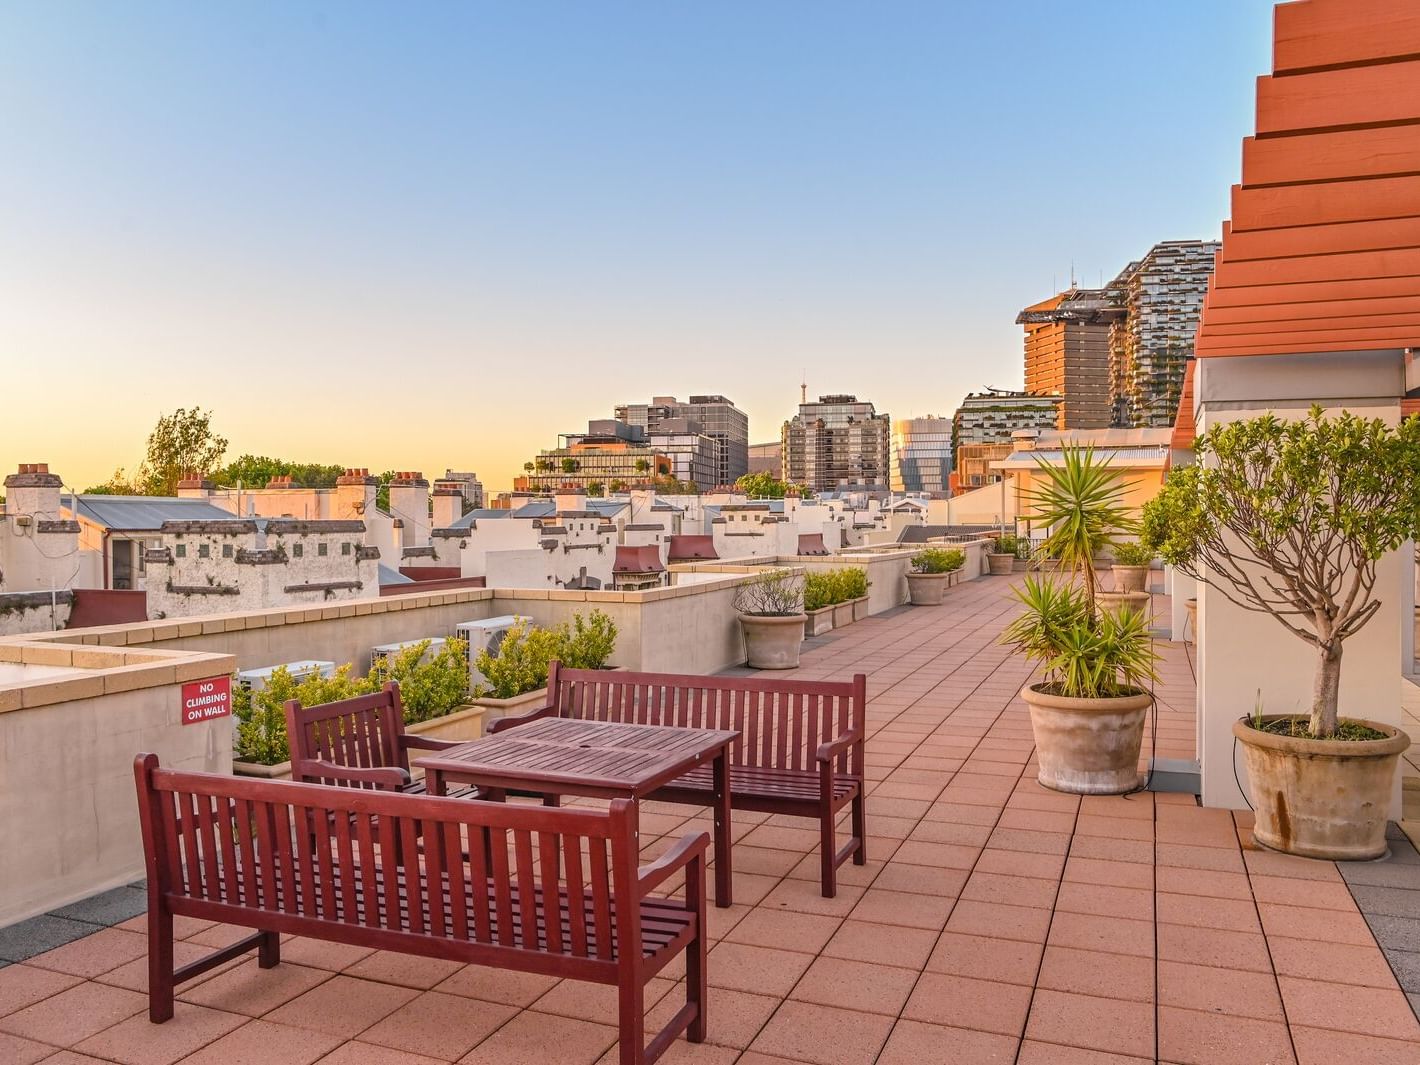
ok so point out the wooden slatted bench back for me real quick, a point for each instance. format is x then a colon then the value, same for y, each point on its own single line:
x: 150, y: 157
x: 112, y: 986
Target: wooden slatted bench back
x: 362, y: 732
x: 346, y: 864
x: 781, y: 723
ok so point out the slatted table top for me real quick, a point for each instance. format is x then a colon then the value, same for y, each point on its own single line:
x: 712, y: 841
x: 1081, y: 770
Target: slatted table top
x: 582, y: 755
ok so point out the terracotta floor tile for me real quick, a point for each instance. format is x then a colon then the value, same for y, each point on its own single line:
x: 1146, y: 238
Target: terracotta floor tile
x: 1012, y: 890
x: 1112, y: 1025
x: 94, y: 954
x: 137, y: 1041
x: 321, y: 955
x: 404, y: 969
x: 1113, y: 849
x: 1216, y: 859
x: 1209, y: 946
x: 71, y: 1016
x: 733, y: 1018
x: 1237, y: 915
x: 251, y: 990
x: 24, y: 985
x: 524, y: 1040
x: 1188, y: 1037
x: 963, y: 1002
x: 802, y: 897
x: 1020, y: 863
x: 134, y: 975
x: 902, y: 908
x: 1271, y: 863
x: 967, y: 835
x: 1322, y: 926
x: 1289, y: 891
x: 17, y: 1051
x: 1106, y: 901
x: 915, y: 1043
x: 882, y: 944
x: 856, y: 985
x: 1205, y: 882
x: 497, y: 985
x: 342, y: 1006
x: 758, y: 970
x: 1339, y: 962
x: 585, y: 1001
x: 441, y: 1026
x: 1115, y: 935
x: 819, y: 1035
x: 1213, y: 990
x: 921, y: 880
x: 1106, y: 873
x: 263, y: 1043
x: 1316, y: 1046
x: 1035, y: 1053
x: 1004, y: 960
x: 1088, y: 972
x: 1001, y: 922
x: 784, y: 929
x: 357, y: 1053
x: 1382, y: 1012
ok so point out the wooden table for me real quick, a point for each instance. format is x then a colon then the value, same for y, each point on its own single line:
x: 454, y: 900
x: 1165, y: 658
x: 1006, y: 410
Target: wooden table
x: 597, y: 759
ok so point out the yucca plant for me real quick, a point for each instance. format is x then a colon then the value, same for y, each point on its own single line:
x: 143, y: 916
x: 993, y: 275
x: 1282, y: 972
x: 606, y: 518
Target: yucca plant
x: 1081, y: 504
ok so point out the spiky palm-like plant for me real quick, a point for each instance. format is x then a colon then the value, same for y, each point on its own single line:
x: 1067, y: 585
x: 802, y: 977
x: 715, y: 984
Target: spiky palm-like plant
x: 1081, y: 504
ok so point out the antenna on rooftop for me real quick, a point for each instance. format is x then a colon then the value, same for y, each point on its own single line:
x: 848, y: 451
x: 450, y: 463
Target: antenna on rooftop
x: 1072, y: 275
x: 804, y: 387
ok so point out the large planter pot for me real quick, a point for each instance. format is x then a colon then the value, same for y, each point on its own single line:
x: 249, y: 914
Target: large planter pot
x: 842, y: 614
x: 279, y: 771
x: 1141, y: 601
x: 1020, y: 565
x: 860, y: 608
x: 1000, y: 563
x: 462, y: 723
x: 772, y: 642
x: 1192, y: 607
x: 1131, y: 578
x: 1087, y: 746
x: 819, y: 621
x: 927, y: 589
x: 1321, y: 798
x: 493, y: 709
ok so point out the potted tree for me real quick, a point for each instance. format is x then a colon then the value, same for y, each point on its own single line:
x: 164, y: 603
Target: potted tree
x: 932, y: 569
x: 771, y: 610
x: 1290, y: 519
x: 1131, y: 567
x: 1001, y: 556
x: 1088, y: 712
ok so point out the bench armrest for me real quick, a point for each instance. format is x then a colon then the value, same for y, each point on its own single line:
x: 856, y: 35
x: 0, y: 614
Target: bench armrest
x: 504, y: 723
x: 428, y: 743
x: 690, y: 846
x: 827, y: 752
x: 392, y: 777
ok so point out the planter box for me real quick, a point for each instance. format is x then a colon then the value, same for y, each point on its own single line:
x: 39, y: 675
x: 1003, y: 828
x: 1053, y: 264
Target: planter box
x: 927, y: 589
x: 464, y: 723
x: 1020, y: 565
x: 493, y: 709
x: 280, y: 771
x: 842, y: 614
x: 820, y: 621
x: 1000, y: 564
x: 860, y: 608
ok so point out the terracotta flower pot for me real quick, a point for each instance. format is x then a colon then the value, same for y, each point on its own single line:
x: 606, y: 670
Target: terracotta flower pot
x: 1321, y: 798
x: 1087, y: 746
x: 772, y: 642
x: 1130, y: 578
x: 927, y: 589
x: 1141, y: 601
x: 1000, y: 563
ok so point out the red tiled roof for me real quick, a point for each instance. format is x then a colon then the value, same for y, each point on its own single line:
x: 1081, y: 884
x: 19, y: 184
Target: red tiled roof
x: 1184, y: 429
x: 692, y: 548
x: 812, y: 544
x: 643, y: 559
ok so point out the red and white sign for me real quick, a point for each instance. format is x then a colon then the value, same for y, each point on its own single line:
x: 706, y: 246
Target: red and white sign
x: 203, y: 700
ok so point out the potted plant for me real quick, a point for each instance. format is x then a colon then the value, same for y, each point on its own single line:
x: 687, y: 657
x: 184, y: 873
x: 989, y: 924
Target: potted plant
x: 1290, y: 519
x: 1131, y: 567
x: 434, y: 690
x: 1088, y: 712
x: 932, y: 569
x: 855, y: 586
x: 840, y: 595
x: 261, y: 747
x: 1001, y: 556
x: 516, y: 678
x: 770, y: 606
x: 818, y: 603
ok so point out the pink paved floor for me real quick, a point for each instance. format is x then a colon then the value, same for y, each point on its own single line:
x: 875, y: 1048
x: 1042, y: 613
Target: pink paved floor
x: 997, y: 922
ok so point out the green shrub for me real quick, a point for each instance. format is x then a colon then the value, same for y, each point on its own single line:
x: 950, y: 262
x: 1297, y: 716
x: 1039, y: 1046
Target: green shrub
x: 818, y: 591
x: 1007, y: 544
x: 261, y: 715
x: 429, y: 686
x: 587, y: 642
x: 938, y: 560
x: 771, y: 593
x: 1132, y: 554
x: 521, y: 664
x: 849, y: 582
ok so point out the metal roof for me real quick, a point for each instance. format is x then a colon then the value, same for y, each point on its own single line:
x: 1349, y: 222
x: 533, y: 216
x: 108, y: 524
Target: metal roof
x: 393, y: 576
x: 144, y: 513
x: 466, y: 522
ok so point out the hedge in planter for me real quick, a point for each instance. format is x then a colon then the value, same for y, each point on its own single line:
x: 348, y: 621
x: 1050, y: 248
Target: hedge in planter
x: 526, y: 653
x: 1289, y: 519
x: 261, y: 715
x: 932, y: 569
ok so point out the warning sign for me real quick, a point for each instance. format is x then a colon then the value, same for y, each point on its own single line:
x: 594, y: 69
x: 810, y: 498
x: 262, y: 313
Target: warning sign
x: 203, y: 700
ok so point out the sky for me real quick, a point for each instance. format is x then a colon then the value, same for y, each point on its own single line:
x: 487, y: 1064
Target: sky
x: 437, y: 235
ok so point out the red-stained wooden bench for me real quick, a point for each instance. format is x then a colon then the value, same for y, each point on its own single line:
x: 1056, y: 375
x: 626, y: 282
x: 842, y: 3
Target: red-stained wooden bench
x: 358, y: 743
x: 800, y: 749
x: 340, y: 864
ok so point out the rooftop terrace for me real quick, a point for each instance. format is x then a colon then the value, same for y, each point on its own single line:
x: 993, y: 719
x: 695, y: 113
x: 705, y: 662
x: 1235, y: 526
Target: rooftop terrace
x: 995, y: 922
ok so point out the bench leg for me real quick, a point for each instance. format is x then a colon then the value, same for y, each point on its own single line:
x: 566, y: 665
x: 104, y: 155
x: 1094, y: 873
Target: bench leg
x: 695, y: 953
x: 268, y: 953
x: 828, y: 852
x: 160, y: 964
x: 631, y: 996
x: 860, y: 828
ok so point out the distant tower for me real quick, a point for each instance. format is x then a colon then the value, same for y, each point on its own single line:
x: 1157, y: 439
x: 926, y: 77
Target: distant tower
x: 804, y: 388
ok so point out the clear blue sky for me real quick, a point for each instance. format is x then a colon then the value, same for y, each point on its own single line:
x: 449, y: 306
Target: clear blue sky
x: 427, y: 234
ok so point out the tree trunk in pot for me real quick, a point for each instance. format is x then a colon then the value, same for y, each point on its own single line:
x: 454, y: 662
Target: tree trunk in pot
x: 1087, y: 746
x: 1321, y: 798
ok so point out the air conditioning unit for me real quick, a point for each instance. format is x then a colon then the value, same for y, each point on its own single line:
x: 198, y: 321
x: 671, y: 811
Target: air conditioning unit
x: 257, y: 679
x: 380, y: 656
x: 486, y: 635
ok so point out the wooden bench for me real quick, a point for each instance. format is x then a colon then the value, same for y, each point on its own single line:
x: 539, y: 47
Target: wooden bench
x: 340, y: 864
x: 358, y: 743
x: 800, y: 749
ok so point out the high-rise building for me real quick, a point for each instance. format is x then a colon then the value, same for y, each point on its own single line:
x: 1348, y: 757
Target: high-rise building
x: 609, y: 455
x: 1067, y: 354
x: 991, y: 417
x: 921, y: 454
x: 1161, y: 296
x: 767, y: 458
x: 837, y: 441
x: 715, y: 416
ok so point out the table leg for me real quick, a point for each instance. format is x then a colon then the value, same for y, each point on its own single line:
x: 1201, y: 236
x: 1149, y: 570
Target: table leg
x: 433, y: 782
x: 724, y: 889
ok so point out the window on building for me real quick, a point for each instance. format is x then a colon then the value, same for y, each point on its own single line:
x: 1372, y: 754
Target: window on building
x: 321, y: 549
x: 180, y: 551
x: 204, y: 551
x: 297, y: 550
x: 345, y: 548
x: 226, y: 550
